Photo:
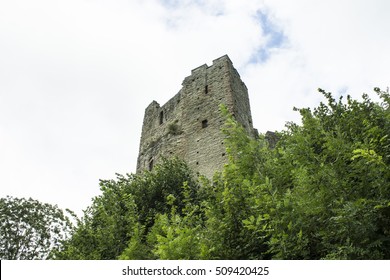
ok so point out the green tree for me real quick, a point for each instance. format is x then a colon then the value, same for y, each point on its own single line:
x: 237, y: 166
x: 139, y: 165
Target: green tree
x: 177, y: 235
x: 323, y: 191
x: 228, y: 199
x: 117, y: 223
x: 337, y: 203
x: 105, y: 228
x: 31, y: 230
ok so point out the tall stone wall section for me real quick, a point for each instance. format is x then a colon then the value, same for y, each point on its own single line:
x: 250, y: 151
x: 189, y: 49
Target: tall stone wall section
x: 189, y: 125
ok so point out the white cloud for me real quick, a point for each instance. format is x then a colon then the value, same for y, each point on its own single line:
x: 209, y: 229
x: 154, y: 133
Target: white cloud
x: 340, y: 46
x: 75, y: 76
x: 343, y: 42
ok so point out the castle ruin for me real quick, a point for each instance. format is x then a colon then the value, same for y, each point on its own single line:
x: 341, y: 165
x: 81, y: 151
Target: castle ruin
x: 189, y: 124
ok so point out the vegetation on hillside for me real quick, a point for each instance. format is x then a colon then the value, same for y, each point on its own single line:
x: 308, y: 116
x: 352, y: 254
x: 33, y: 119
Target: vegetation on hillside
x: 323, y: 192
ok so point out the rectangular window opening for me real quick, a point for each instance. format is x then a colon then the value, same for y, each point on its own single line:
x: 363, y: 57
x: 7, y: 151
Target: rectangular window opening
x: 206, y: 89
x: 161, y: 117
x: 205, y: 124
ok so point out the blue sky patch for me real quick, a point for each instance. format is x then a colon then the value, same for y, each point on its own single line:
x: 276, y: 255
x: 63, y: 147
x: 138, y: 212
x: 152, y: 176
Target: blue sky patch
x: 275, y: 38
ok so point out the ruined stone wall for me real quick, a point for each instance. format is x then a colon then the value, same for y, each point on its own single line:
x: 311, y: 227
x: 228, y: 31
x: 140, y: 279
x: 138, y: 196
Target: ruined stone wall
x: 189, y: 125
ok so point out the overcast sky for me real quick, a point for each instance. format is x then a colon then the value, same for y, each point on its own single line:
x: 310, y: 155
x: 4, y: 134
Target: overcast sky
x: 77, y: 75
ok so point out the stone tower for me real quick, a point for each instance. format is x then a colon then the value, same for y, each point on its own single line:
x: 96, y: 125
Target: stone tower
x: 189, y: 124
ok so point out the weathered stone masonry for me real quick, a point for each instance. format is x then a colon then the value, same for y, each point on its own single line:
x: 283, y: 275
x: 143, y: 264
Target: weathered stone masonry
x: 189, y: 125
